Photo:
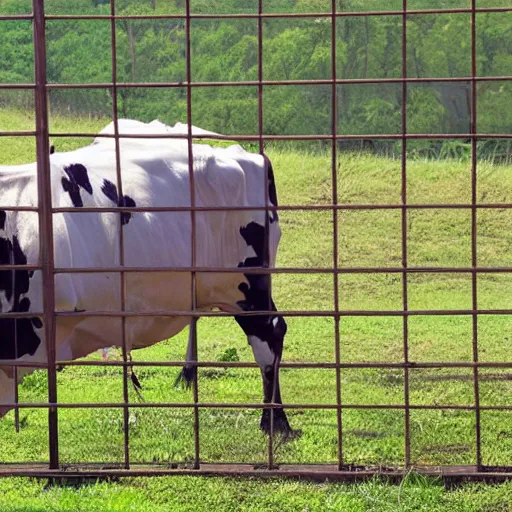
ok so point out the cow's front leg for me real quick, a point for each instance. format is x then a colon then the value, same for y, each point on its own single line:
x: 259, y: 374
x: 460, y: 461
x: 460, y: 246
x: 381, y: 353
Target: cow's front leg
x: 265, y: 334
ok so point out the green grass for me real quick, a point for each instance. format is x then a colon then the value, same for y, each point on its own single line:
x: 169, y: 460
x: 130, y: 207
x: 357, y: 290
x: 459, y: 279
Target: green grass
x: 369, y: 238
x: 20, y: 150
x: 198, y: 494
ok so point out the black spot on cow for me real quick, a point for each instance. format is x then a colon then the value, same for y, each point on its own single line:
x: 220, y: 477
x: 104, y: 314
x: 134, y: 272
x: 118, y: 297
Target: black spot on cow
x: 52, y: 149
x: 254, y: 236
x: 13, y: 282
x: 110, y: 190
x: 126, y: 216
x: 257, y: 293
x: 17, y: 335
x: 3, y: 217
x: 77, y: 178
x: 272, y: 191
x: 6, y: 278
x: 37, y: 322
x: 22, y: 279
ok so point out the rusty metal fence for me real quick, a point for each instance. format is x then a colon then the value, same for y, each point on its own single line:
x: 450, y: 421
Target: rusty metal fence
x: 342, y: 470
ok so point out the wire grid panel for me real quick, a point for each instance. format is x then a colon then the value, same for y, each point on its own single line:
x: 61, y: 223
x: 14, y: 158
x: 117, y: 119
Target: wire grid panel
x: 342, y: 467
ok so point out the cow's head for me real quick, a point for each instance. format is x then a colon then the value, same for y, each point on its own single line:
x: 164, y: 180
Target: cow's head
x: 265, y: 332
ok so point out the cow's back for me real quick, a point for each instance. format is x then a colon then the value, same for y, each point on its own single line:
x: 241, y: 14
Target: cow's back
x: 155, y: 173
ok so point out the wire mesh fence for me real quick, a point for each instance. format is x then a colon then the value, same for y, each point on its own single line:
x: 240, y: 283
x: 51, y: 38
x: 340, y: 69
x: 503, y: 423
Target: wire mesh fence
x: 402, y: 410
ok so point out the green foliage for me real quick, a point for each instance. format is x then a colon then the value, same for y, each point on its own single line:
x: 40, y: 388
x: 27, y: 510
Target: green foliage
x: 230, y: 354
x: 17, y: 50
x: 152, y: 50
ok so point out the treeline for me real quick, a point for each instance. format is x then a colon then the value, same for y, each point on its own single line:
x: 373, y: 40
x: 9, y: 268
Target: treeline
x: 367, y: 47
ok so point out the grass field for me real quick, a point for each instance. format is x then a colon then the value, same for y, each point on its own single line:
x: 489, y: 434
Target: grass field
x: 369, y: 238
x: 201, y: 494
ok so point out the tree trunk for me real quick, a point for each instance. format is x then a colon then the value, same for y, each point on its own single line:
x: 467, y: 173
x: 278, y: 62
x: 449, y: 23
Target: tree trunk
x: 129, y: 31
x: 366, y: 45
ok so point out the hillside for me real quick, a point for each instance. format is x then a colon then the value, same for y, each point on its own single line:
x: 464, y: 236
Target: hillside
x: 369, y: 239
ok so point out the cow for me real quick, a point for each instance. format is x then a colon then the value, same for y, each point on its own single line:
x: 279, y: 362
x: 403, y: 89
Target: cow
x: 155, y: 173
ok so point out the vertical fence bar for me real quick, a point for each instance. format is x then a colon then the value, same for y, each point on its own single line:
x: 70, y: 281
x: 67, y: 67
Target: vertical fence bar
x: 261, y: 142
x: 16, y: 390
x: 193, y: 229
x: 407, y: 412
x: 122, y: 275
x: 266, y: 242
x: 44, y: 196
x: 474, y: 260
x: 15, y: 368
x: 334, y: 179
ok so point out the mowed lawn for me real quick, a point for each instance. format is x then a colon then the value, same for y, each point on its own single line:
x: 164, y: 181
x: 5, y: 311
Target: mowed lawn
x: 368, y: 238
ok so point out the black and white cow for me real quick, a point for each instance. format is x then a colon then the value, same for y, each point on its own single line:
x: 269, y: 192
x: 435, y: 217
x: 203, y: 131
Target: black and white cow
x: 155, y: 172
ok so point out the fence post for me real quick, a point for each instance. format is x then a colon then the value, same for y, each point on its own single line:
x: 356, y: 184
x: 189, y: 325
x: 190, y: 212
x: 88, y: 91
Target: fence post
x: 46, y: 254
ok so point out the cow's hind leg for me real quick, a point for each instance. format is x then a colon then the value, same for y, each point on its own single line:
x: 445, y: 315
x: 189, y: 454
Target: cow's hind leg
x: 188, y: 372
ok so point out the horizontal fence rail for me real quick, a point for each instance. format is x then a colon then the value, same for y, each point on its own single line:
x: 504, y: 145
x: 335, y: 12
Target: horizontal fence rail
x: 268, y: 83
x: 192, y: 15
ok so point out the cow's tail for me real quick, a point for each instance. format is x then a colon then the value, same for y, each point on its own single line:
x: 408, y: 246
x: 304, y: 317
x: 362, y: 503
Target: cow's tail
x: 272, y: 190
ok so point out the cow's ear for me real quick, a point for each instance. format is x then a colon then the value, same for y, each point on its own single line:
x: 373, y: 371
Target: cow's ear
x: 52, y: 149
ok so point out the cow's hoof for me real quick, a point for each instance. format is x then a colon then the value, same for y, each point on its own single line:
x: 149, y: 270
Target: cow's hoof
x: 185, y: 377
x: 281, y: 425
